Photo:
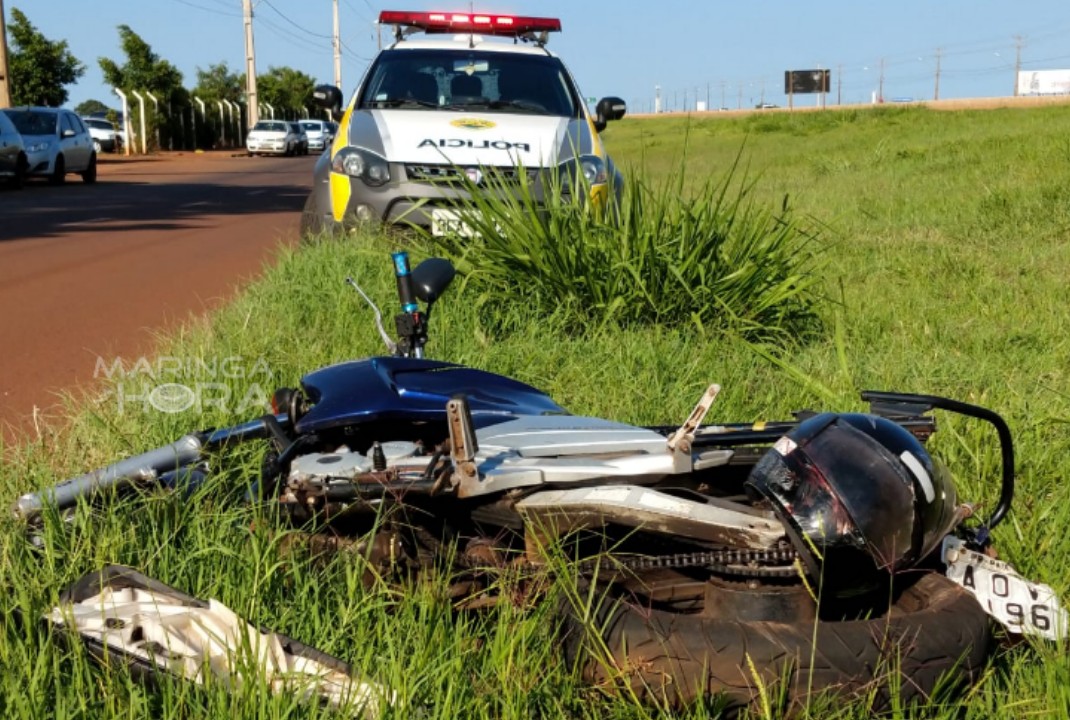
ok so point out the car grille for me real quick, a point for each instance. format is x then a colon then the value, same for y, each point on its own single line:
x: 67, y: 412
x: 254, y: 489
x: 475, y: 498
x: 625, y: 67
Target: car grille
x: 452, y: 173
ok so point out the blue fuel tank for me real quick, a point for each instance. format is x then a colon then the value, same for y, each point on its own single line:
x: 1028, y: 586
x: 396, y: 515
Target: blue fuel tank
x: 392, y: 389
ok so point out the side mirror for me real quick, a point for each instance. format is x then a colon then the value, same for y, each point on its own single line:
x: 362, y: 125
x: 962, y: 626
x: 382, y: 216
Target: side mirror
x: 607, y: 109
x: 329, y: 97
x: 67, y: 133
x: 431, y: 278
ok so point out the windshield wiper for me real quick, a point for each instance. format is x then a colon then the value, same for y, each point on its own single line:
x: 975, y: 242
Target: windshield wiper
x: 399, y: 102
x: 525, y: 105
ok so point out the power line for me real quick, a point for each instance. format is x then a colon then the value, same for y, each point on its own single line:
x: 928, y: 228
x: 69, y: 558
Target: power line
x: 207, y: 9
x: 299, y: 27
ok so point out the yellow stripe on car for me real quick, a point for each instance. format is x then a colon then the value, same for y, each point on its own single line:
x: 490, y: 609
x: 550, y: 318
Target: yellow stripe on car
x: 340, y: 184
x: 599, y: 193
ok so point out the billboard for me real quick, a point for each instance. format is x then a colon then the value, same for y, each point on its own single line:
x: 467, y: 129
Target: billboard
x: 797, y: 82
x: 1044, y: 82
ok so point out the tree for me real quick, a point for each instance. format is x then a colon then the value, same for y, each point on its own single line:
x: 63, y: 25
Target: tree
x: 219, y: 83
x: 40, y: 68
x: 145, y: 71
x: 285, y: 88
x: 91, y: 106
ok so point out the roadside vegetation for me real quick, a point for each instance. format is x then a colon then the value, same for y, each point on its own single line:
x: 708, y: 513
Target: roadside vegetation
x: 712, y: 258
x: 943, y: 266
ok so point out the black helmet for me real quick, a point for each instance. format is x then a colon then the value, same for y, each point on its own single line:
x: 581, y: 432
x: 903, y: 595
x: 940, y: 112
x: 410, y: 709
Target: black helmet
x: 859, y: 495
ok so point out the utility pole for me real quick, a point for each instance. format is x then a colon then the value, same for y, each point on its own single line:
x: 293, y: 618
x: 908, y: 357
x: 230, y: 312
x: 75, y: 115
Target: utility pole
x: 5, y: 85
x: 337, y: 50
x: 839, y: 84
x: 253, y: 115
x: 880, y: 86
x: 936, y: 90
x: 1017, y: 61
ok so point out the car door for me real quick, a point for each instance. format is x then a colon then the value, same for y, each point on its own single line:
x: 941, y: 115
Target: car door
x: 10, y: 145
x: 74, y: 142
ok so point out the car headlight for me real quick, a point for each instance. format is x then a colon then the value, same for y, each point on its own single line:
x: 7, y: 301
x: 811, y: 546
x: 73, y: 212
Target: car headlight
x: 358, y: 162
x: 39, y: 147
x: 590, y: 167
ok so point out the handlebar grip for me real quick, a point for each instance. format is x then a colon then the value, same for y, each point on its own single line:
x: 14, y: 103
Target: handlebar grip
x: 404, y: 277
x: 148, y: 465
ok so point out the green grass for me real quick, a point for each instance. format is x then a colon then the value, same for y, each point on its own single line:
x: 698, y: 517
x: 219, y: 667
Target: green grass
x: 712, y: 258
x: 945, y: 274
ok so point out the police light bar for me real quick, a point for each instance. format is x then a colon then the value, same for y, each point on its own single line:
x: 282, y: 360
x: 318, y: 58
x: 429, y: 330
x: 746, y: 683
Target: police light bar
x: 445, y: 22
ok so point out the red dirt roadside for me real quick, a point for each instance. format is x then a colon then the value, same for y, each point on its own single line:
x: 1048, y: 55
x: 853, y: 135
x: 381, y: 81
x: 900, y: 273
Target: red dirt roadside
x: 94, y: 271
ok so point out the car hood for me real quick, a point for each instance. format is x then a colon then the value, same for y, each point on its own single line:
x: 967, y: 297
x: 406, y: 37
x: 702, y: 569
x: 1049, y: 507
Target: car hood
x: 34, y: 139
x: 489, y: 139
x: 266, y: 135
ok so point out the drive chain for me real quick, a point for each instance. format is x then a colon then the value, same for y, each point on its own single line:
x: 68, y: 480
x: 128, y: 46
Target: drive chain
x: 750, y: 563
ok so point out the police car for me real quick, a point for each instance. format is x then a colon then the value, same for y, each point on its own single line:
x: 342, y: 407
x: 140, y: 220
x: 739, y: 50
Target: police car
x: 476, y: 95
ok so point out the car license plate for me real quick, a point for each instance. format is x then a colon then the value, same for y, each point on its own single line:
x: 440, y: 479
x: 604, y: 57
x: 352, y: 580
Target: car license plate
x: 1019, y: 605
x: 450, y: 222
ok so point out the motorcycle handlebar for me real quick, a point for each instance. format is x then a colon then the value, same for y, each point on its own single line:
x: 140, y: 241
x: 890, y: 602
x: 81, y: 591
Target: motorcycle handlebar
x: 182, y: 452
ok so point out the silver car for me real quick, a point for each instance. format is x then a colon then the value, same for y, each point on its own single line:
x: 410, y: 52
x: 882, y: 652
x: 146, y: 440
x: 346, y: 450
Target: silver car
x: 56, y: 141
x: 13, y: 162
x: 319, y: 132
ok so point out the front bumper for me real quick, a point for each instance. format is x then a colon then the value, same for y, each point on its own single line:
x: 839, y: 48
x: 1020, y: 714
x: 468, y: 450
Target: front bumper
x: 272, y: 147
x: 343, y: 202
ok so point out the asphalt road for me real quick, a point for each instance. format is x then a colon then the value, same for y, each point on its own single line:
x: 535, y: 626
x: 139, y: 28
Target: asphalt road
x: 95, y: 271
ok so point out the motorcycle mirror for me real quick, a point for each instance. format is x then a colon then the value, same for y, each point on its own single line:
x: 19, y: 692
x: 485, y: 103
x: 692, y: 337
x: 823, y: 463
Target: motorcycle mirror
x: 431, y: 278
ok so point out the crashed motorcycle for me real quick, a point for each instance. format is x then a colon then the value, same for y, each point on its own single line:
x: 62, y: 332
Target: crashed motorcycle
x: 829, y: 552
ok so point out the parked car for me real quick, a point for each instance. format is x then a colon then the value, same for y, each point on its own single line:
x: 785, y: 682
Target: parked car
x: 302, y: 139
x: 13, y: 162
x: 57, y: 142
x: 272, y: 137
x: 105, y: 137
x: 434, y: 112
x: 319, y: 132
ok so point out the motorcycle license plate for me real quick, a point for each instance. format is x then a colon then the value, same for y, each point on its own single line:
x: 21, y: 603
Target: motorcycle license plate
x: 450, y: 222
x: 1021, y: 606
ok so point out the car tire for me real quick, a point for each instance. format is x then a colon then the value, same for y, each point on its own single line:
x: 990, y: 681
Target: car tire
x: 934, y: 633
x: 22, y: 167
x: 311, y: 223
x: 89, y: 175
x: 59, y: 172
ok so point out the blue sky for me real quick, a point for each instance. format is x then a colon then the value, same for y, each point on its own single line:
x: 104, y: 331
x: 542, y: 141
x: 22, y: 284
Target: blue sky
x: 737, y: 51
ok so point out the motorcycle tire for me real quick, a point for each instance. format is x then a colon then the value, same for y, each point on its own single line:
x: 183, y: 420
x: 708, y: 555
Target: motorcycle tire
x: 934, y: 634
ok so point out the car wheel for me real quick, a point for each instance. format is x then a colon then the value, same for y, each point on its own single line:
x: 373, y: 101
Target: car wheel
x: 89, y: 176
x: 96, y: 147
x: 59, y: 172
x: 311, y: 224
x: 22, y: 166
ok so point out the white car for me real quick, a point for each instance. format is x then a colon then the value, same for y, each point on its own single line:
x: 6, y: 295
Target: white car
x: 105, y: 137
x: 57, y: 142
x: 272, y: 137
x: 459, y: 103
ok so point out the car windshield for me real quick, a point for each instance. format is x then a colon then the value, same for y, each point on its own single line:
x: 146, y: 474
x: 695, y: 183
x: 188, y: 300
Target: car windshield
x: 98, y: 124
x: 312, y: 126
x: 33, y: 122
x: 271, y: 126
x: 463, y: 79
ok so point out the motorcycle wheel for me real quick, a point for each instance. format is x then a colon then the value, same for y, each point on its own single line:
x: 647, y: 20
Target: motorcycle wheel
x: 933, y: 634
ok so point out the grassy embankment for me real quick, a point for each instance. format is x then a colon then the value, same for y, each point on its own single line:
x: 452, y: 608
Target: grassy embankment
x: 945, y: 273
